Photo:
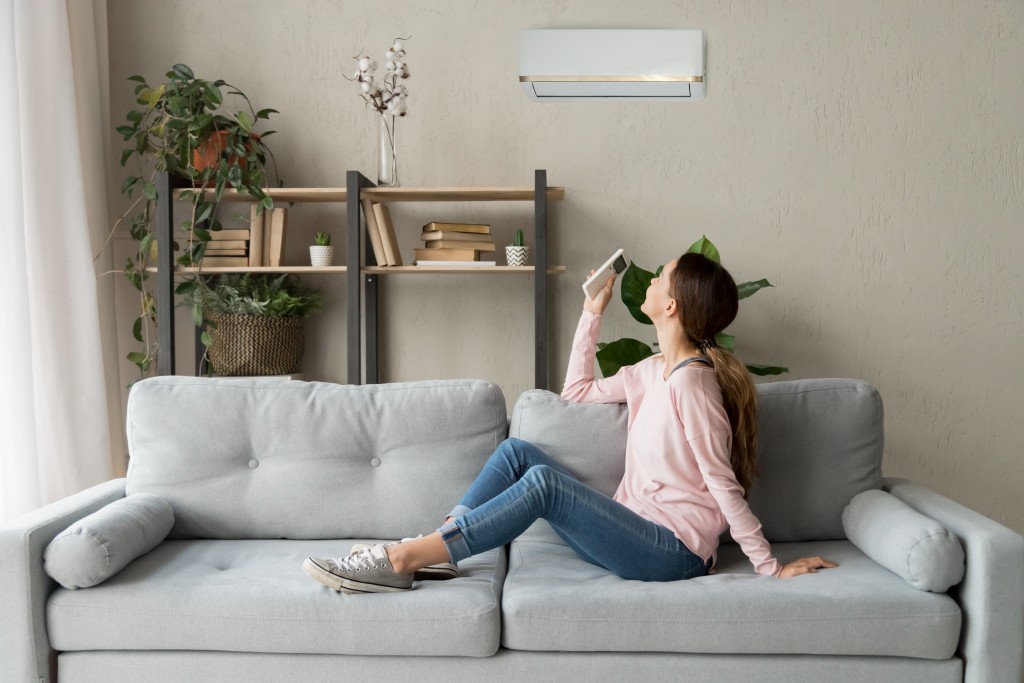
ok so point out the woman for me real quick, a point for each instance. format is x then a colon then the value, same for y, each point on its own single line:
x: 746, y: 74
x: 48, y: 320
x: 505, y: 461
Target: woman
x: 690, y: 459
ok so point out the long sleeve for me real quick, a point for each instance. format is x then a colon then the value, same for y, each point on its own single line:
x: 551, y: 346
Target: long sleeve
x: 580, y: 385
x: 712, y: 451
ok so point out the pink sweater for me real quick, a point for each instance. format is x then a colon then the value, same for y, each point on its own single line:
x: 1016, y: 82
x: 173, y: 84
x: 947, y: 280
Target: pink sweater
x: 677, y: 449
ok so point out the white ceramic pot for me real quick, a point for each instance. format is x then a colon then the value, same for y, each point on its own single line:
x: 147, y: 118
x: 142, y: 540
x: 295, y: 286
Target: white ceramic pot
x: 517, y: 256
x: 321, y: 256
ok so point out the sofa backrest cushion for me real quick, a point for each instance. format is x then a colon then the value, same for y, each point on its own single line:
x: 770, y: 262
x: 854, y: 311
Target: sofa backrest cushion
x: 820, y: 444
x: 254, y: 459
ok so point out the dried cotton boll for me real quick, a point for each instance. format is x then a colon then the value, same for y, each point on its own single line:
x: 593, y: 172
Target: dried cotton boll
x: 397, y: 47
x: 365, y: 86
x: 364, y: 63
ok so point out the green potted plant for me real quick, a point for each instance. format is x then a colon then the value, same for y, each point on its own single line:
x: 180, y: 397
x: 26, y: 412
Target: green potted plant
x: 184, y: 128
x: 321, y: 253
x: 517, y: 253
x: 626, y: 351
x: 254, y: 323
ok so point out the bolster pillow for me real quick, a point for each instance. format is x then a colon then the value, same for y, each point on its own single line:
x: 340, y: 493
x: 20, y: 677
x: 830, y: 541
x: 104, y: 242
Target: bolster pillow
x: 97, y: 547
x: 904, y: 541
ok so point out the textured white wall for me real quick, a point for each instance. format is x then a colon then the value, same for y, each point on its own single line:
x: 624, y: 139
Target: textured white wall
x: 866, y: 158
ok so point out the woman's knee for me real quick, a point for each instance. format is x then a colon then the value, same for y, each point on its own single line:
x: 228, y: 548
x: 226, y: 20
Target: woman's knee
x: 541, y: 476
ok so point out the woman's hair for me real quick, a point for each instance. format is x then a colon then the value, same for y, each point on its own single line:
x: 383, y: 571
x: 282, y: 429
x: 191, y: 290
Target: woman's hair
x: 708, y: 300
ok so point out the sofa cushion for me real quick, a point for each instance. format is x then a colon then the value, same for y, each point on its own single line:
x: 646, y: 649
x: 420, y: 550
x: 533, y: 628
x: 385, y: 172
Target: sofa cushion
x: 820, y: 444
x: 100, y: 545
x: 252, y: 596
x: 243, y: 459
x: 904, y: 541
x: 553, y: 600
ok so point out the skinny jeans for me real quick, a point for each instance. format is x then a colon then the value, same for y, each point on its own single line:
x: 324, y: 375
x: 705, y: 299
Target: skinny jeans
x: 520, y: 484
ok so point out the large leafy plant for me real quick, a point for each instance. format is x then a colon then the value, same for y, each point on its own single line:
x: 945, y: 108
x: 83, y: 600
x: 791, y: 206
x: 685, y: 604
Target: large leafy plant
x: 622, y: 352
x: 185, y: 129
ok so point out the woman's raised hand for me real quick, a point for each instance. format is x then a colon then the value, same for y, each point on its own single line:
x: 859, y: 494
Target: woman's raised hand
x: 805, y: 565
x: 599, y: 302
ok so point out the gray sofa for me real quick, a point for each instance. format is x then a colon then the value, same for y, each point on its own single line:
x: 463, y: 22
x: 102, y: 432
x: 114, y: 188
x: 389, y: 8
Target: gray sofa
x: 260, y: 475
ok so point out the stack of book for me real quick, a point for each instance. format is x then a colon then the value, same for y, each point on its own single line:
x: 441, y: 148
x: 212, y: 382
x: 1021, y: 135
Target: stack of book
x: 261, y: 245
x: 227, y: 248
x: 455, y: 244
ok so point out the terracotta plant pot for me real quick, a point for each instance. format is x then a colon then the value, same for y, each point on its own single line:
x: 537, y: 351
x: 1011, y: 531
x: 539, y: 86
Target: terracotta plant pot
x: 208, y: 153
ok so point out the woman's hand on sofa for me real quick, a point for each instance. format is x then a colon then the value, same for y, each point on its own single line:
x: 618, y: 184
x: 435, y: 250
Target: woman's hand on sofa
x: 805, y: 565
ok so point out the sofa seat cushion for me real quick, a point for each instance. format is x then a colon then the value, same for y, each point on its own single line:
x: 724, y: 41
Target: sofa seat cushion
x: 553, y: 600
x: 252, y: 596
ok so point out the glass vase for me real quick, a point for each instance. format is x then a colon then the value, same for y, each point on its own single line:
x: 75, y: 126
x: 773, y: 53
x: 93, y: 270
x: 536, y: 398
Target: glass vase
x: 387, y: 153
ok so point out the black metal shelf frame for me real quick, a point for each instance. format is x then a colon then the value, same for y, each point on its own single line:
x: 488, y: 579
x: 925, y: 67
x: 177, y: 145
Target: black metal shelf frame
x: 362, y: 297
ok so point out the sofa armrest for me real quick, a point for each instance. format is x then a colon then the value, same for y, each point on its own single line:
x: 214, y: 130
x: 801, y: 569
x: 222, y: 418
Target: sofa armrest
x: 991, y: 596
x: 24, y: 586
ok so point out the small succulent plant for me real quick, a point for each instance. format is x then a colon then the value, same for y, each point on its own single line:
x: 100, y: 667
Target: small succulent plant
x: 322, y: 239
x: 517, y: 239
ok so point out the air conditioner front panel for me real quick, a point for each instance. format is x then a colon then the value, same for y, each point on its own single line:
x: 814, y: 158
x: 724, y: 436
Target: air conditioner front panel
x: 613, y: 64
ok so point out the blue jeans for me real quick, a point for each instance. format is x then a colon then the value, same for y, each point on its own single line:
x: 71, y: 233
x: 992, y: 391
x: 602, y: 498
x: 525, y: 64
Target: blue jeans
x: 520, y: 483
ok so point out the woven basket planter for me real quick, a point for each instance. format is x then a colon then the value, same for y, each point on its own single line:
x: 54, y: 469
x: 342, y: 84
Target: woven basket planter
x: 255, y: 345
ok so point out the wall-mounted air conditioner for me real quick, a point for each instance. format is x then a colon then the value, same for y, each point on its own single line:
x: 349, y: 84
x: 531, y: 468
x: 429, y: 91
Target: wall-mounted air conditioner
x: 567, y: 65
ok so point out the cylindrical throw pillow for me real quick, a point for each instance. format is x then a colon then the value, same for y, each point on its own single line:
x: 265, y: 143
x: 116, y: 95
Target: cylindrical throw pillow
x: 904, y: 541
x: 97, y: 547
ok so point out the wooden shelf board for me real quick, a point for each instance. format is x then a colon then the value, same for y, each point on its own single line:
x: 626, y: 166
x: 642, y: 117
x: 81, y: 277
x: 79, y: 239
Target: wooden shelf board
x: 473, y: 270
x: 288, y: 194
x: 457, y: 194
x: 393, y: 194
x: 260, y: 269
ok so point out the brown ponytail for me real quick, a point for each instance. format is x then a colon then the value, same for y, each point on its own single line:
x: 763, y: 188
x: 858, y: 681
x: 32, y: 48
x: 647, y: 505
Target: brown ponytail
x: 708, y: 301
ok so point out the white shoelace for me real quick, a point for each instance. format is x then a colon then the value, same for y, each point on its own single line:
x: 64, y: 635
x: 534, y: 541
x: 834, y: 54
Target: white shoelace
x: 364, y: 559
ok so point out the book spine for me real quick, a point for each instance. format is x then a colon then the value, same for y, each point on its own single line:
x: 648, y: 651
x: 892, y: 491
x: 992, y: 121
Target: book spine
x: 228, y: 234
x: 446, y: 254
x: 373, y: 232
x: 387, y: 231
x: 478, y: 228
x: 267, y: 215
x: 255, y: 237
x: 225, y: 261
x: 458, y: 244
x: 278, y: 221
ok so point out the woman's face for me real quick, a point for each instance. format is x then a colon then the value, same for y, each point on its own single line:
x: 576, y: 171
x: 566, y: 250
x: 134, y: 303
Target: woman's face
x: 659, y: 293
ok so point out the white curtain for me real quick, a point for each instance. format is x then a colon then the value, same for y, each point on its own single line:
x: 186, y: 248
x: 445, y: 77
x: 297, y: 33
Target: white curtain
x: 55, y: 423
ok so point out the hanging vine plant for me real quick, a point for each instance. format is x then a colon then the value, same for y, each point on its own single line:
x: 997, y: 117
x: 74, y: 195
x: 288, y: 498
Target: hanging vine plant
x: 183, y: 127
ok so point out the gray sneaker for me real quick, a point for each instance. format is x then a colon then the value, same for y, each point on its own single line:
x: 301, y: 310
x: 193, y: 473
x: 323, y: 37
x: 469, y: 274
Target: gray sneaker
x: 368, y: 571
x: 434, y: 572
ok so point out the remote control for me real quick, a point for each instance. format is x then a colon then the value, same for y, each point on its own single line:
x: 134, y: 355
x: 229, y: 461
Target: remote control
x: 616, y: 264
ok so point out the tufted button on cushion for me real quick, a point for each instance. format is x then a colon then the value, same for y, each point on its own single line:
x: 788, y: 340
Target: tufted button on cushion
x: 374, y: 462
x: 254, y: 463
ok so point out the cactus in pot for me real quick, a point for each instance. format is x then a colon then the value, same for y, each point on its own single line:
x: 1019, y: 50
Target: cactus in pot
x: 517, y: 253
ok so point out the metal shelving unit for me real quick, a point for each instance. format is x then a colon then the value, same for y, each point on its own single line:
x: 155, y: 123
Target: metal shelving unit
x: 363, y: 298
